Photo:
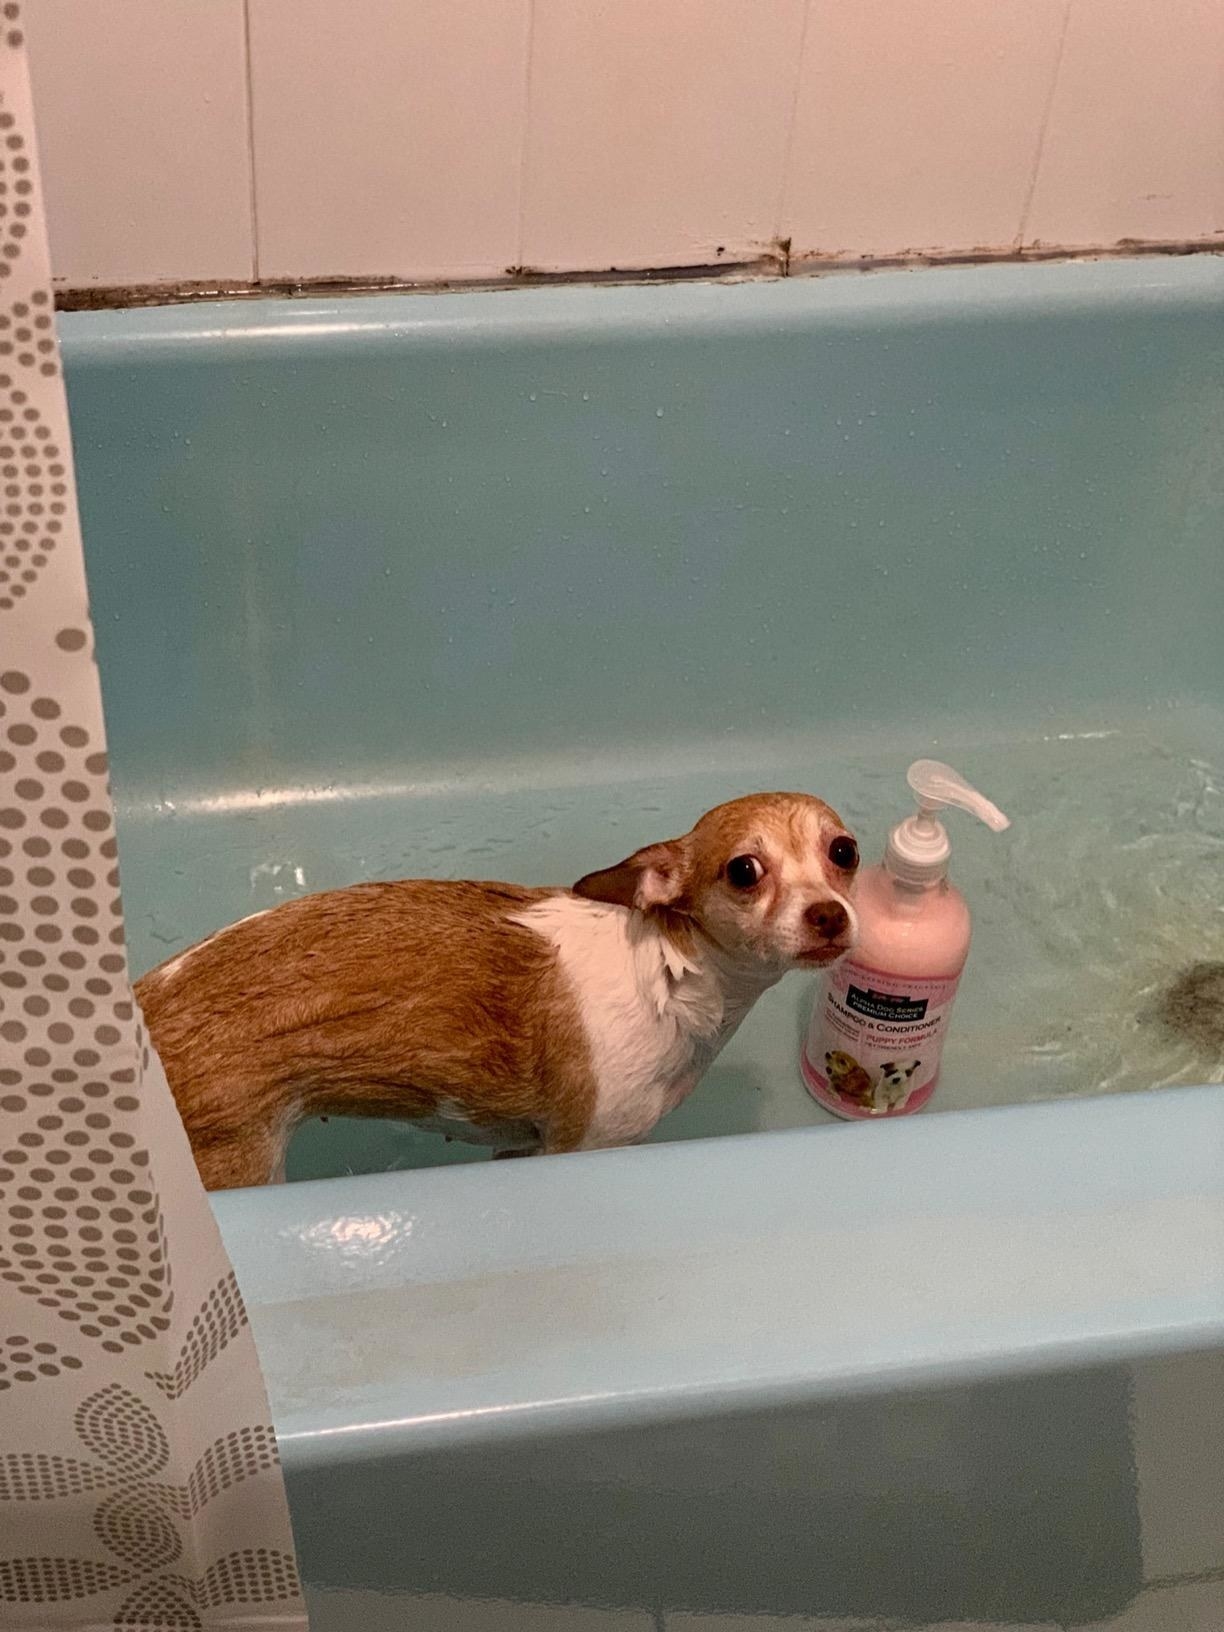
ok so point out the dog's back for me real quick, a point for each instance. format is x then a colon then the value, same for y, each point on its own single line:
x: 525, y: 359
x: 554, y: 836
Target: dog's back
x: 415, y: 999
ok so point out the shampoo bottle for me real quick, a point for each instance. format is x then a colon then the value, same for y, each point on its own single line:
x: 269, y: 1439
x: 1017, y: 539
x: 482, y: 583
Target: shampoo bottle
x: 879, y: 1020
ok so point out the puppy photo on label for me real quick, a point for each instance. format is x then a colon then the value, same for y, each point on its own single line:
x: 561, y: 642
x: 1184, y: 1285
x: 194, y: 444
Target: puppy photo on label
x: 531, y: 1020
x: 848, y: 1078
x: 894, y: 1085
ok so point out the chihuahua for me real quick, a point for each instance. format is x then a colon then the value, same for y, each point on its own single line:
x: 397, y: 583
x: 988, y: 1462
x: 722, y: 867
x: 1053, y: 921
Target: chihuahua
x: 531, y: 1020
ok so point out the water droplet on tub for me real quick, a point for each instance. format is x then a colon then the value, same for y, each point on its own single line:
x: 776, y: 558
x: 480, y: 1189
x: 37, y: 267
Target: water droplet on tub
x: 658, y: 413
x: 532, y: 397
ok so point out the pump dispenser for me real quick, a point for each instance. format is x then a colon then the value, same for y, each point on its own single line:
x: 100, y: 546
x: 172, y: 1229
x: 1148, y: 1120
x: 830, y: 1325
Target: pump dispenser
x: 878, y: 1023
x: 918, y: 848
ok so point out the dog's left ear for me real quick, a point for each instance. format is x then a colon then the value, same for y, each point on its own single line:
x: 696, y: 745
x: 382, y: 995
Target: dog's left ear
x: 654, y: 877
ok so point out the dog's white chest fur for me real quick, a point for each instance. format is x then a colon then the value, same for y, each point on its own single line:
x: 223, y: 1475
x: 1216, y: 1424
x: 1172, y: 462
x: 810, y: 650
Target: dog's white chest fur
x: 653, y: 1019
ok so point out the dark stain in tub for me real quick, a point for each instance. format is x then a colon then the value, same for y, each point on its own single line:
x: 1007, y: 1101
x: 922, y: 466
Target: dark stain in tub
x: 1193, y: 1006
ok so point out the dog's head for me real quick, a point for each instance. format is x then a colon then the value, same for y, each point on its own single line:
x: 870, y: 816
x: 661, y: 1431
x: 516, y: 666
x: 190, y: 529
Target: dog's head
x: 898, y: 1072
x: 767, y: 879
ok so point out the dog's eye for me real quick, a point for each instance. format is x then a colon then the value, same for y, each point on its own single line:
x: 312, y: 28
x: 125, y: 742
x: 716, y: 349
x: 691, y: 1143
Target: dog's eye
x: 843, y: 853
x: 743, y: 872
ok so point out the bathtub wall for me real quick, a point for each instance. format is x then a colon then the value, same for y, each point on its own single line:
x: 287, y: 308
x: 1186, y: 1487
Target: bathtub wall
x: 464, y: 139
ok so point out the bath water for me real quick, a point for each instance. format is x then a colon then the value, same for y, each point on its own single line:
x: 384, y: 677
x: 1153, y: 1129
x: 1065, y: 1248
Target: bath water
x: 1108, y: 885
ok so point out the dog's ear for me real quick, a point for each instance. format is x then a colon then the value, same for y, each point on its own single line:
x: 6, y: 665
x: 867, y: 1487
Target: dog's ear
x: 655, y: 877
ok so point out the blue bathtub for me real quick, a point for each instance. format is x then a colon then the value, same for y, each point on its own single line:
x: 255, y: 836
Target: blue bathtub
x: 507, y: 584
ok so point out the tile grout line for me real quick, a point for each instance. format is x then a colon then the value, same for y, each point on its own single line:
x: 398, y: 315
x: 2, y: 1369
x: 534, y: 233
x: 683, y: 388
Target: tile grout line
x: 788, y: 156
x: 250, y: 123
x: 528, y: 73
x: 1027, y: 206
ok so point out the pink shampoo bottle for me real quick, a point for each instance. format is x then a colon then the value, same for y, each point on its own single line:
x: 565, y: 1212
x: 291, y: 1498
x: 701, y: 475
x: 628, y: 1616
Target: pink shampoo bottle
x: 880, y: 1016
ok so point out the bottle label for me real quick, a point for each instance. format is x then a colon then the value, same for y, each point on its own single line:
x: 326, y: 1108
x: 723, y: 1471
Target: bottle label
x: 874, y: 1041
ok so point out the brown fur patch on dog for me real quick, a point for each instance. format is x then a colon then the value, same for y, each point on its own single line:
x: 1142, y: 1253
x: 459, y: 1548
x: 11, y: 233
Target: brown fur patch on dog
x: 380, y: 1000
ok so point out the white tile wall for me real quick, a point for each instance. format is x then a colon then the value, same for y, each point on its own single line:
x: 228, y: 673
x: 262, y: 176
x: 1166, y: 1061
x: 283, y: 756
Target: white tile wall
x: 457, y: 138
x: 657, y: 130
x: 917, y: 127
x: 1179, y: 1456
x: 388, y: 135
x: 1135, y: 145
x: 141, y: 108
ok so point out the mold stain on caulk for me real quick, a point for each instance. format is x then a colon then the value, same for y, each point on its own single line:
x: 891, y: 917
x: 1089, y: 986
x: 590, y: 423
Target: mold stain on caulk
x: 780, y: 260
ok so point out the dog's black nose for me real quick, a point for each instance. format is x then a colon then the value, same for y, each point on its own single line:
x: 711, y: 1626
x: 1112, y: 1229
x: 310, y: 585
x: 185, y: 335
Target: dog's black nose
x: 828, y: 918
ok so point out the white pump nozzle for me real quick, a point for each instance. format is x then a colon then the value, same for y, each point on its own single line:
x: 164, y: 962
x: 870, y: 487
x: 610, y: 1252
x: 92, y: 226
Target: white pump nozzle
x: 938, y: 785
x: 918, y: 847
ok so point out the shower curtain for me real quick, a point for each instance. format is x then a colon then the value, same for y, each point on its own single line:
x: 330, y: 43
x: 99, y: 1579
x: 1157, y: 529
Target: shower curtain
x: 139, y: 1480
